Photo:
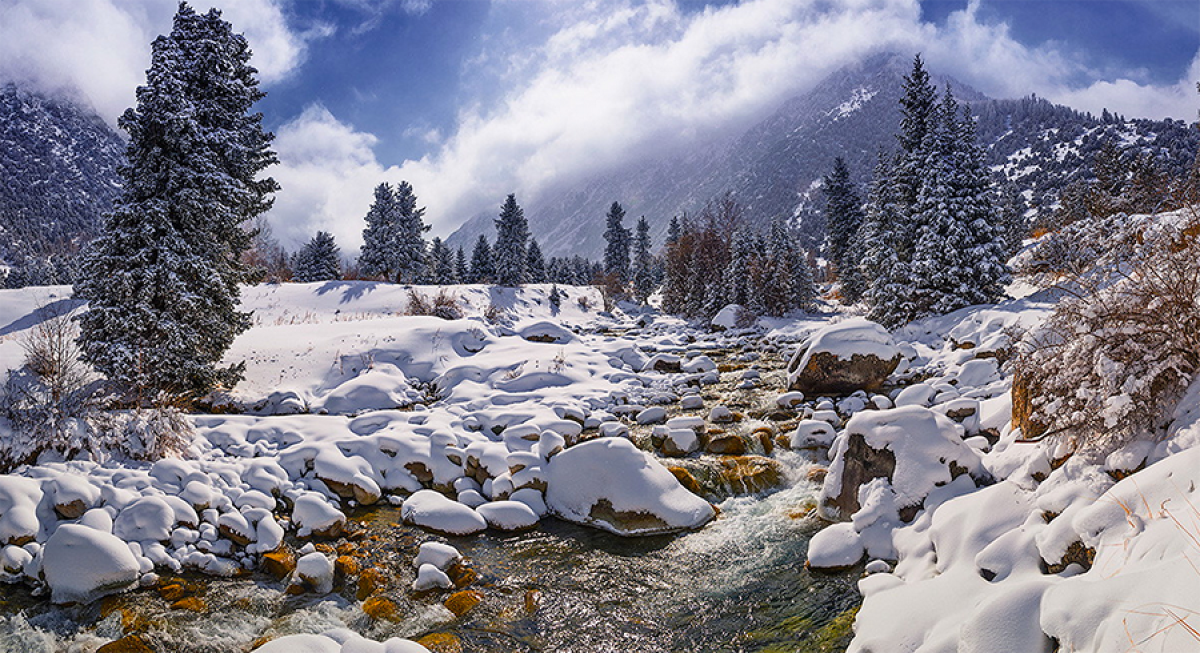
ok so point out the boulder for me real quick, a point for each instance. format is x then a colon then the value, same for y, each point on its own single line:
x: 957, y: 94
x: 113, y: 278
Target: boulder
x: 82, y: 564
x: 429, y: 509
x: 913, y: 449
x: 612, y: 485
x: 856, y: 354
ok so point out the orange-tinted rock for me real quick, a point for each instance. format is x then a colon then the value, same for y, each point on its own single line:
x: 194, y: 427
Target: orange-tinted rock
x: 463, y: 602
x: 381, y: 608
x: 279, y: 563
x: 441, y: 643
x: 127, y: 644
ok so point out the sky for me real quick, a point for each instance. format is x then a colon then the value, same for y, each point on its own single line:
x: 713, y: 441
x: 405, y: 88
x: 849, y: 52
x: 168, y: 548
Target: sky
x: 470, y: 100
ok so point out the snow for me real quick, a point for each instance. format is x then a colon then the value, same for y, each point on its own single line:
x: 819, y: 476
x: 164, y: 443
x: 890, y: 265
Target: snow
x: 836, y: 546
x: 82, y: 564
x: 613, y: 471
x: 850, y: 337
x: 338, y: 642
x: 316, y: 570
x: 437, y: 554
x: 508, y: 515
x: 430, y: 509
x: 430, y: 577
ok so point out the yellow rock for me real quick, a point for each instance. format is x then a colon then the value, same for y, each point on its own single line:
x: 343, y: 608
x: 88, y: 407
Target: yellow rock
x: 463, y: 602
x: 441, y: 643
x: 381, y: 608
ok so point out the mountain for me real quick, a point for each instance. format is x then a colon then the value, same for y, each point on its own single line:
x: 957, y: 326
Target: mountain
x: 58, y: 175
x: 774, y: 167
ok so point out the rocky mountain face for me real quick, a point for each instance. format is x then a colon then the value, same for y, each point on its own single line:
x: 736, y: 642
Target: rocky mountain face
x: 774, y: 168
x: 58, y: 175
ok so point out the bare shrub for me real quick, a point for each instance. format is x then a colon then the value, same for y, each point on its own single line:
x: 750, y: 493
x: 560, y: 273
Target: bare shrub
x: 495, y: 313
x: 1117, y: 353
x: 444, y: 304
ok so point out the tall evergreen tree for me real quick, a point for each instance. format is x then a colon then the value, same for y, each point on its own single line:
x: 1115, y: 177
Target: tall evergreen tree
x: 788, y: 284
x: 319, y: 259
x: 643, y: 262
x: 673, y: 230
x: 441, y: 264
x: 162, y: 280
x: 843, y: 220
x: 482, y: 270
x: 410, y: 243
x: 379, y: 255
x: 512, y: 233
x: 616, y: 250
x: 461, y: 270
x: 536, y: 265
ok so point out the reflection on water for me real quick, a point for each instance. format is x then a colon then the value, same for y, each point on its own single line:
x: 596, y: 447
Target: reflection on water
x: 737, y: 585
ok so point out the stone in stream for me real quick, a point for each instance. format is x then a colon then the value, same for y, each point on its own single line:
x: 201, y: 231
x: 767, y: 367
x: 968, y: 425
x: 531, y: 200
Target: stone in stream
x: 856, y: 354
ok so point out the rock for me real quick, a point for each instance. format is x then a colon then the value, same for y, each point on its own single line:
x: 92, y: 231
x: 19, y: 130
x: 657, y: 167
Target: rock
x: 835, y: 547
x: 729, y: 444
x: 429, y: 509
x: 508, y: 515
x: 82, y: 564
x: 679, y: 442
x: 546, y: 331
x: 612, y: 485
x: 852, y: 355
x: 191, y: 604
x: 279, y: 563
x: 812, y: 435
x: 441, y: 643
x: 370, y: 581
x: 720, y: 415
x: 691, y: 402
x: 382, y: 608
x: 315, y: 516
x: 729, y: 317
x: 789, y: 400
x: 652, y: 415
x: 437, y: 554
x: 314, y: 571
x: 686, y: 479
x: 917, y: 394
x: 699, y: 365
x: 127, y: 644
x: 1023, y: 391
x: 430, y: 577
x: 914, y: 449
x: 719, y: 478
x: 346, y: 566
x: 669, y: 363
x: 463, y: 602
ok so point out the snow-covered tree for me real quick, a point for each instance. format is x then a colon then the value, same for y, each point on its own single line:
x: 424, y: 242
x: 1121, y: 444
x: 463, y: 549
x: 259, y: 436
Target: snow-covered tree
x: 644, y: 266
x: 393, y: 245
x: 482, y: 270
x: 441, y: 264
x: 739, y: 287
x: 788, y: 282
x: 512, y: 234
x: 319, y: 259
x: 536, y: 265
x: 461, y: 270
x: 162, y: 280
x: 843, y: 220
x: 616, y: 249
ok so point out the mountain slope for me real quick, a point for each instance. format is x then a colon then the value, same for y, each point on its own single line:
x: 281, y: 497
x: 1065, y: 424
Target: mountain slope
x: 774, y: 168
x: 58, y: 174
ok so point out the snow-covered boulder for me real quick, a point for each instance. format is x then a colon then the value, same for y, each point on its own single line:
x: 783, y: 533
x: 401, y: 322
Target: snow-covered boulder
x: 729, y: 317
x: 82, y: 564
x: 835, y: 547
x: 429, y: 509
x: 545, y: 331
x: 508, y: 515
x: 612, y: 485
x: 913, y: 449
x: 853, y: 355
x: 437, y: 554
x: 315, y: 571
x: 19, y: 498
x: 314, y: 515
x: 429, y: 577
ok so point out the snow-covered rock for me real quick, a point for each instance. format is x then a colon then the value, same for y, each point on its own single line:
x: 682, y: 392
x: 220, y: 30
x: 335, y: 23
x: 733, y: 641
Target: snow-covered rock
x: 82, y: 564
x: 611, y: 484
x: 856, y: 354
x: 508, y: 515
x: 429, y: 577
x: 437, y: 554
x: 315, y: 570
x: 835, y: 547
x: 429, y: 509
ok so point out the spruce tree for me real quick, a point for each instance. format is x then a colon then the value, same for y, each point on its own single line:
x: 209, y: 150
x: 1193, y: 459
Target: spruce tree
x: 512, y: 234
x: 319, y: 259
x: 843, y: 220
x: 410, y: 244
x: 461, y: 271
x: 379, y: 255
x: 738, y: 283
x: 643, y: 262
x: 441, y: 264
x: 162, y: 279
x: 616, y: 250
x: 536, y: 265
x: 482, y: 270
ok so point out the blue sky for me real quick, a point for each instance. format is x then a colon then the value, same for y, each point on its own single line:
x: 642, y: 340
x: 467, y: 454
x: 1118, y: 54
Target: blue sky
x: 471, y: 100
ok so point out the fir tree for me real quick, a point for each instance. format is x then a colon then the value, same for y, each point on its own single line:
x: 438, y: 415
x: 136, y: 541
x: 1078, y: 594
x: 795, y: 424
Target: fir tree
x: 673, y: 230
x: 555, y: 298
x: 1013, y: 224
x: 162, y: 280
x: 739, y: 287
x: 616, y: 250
x: 512, y: 232
x: 789, y: 284
x: 461, y: 270
x: 644, y: 271
x: 379, y: 254
x: 319, y: 259
x: 536, y: 265
x: 482, y: 270
x: 441, y: 264
x: 843, y: 220
x: 410, y: 244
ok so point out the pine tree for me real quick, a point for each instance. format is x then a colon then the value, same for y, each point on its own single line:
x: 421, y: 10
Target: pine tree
x: 616, y: 251
x: 1013, y: 224
x: 512, y: 232
x: 739, y: 287
x: 162, y: 280
x: 461, y: 271
x: 441, y: 264
x: 379, y: 255
x: 843, y: 220
x: 788, y: 284
x: 319, y: 259
x: 409, y: 244
x: 643, y: 262
x: 482, y: 270
x: 536, y: 265
x: 673, y: 230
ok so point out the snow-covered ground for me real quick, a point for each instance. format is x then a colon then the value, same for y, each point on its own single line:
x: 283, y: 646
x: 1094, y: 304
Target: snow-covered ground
x: 1007, y: 548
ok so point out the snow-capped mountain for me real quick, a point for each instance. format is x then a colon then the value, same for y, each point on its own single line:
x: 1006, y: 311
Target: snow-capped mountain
x: 58, y: 174
x: 774, y: 168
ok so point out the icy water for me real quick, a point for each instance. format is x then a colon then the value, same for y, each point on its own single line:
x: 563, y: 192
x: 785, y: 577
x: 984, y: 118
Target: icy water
x: 737, y: 585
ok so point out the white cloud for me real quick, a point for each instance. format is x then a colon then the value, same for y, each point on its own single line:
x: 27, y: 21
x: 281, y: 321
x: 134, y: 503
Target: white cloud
x: 100, y: 49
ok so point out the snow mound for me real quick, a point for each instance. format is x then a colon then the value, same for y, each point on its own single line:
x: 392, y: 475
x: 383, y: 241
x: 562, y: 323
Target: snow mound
x: 429, y: 509
x: 612, y: 485
x: 82, y: 564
